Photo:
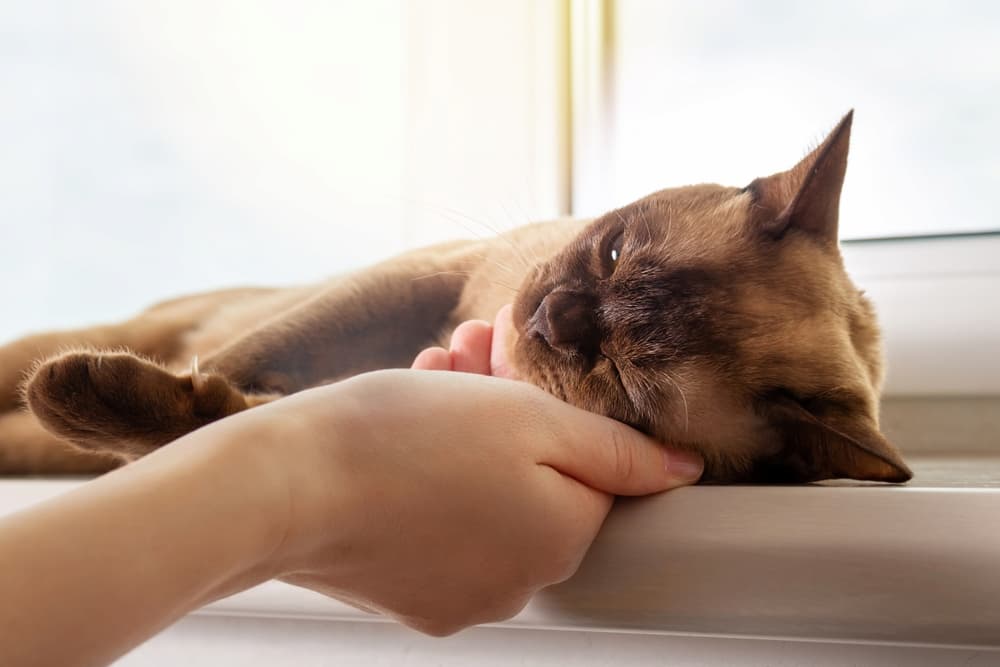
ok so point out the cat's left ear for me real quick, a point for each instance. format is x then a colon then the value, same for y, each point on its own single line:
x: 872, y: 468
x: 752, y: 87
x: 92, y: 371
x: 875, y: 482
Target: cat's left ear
x: 829, y: 444
x: 807, y: 196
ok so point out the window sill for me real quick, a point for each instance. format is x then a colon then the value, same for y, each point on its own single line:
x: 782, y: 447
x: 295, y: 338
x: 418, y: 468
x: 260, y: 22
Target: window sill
x: 912, y: 565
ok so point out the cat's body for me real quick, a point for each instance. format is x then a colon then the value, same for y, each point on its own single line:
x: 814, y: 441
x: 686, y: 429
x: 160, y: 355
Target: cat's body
x: 718, y: 319
x: 410, y: 302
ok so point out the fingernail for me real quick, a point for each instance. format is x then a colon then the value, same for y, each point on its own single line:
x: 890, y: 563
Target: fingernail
x: 683, y: 466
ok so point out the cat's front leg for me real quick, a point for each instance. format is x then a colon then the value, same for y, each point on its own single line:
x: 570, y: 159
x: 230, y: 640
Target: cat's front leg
x: 121, y: 403
x: 378, y: 318
x: 18, y: 356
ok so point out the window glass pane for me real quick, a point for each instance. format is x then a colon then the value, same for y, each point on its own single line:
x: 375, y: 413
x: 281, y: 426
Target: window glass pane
x: 727, y: 91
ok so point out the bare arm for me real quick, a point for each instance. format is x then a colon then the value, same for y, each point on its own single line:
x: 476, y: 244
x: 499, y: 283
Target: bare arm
x: 89, y: 574
x: 323, y: 489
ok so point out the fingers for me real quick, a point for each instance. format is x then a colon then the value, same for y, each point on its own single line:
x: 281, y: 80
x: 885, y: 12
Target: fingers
x: 502, y: 330
x: 599, y: 452
x: 476, y: 347
x: 469, y: 353
x: 470, y: 347
x: 433, y: 359
x: 611, y: 457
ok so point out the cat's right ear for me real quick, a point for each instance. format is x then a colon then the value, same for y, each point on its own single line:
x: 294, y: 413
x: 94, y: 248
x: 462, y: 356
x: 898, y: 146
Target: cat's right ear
x: 805, y: 198
x: 828, y: 443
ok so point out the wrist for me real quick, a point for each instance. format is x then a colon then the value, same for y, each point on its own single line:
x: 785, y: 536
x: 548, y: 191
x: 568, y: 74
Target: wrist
x: 264, y: 450
x: 303, y: 450
x: 289, y: 457
x: 225, y: 477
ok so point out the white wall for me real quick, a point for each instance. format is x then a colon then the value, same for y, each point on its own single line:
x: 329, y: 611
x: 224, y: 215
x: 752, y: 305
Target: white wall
x: 151, y: 149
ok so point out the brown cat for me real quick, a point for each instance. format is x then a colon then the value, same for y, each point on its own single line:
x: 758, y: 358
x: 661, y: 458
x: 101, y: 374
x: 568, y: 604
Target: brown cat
x: 717, y: 319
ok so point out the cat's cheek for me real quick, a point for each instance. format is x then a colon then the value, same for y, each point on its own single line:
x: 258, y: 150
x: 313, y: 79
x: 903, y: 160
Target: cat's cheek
x: 526, y: 363
x: 519, y: 367
x: 704, y: 413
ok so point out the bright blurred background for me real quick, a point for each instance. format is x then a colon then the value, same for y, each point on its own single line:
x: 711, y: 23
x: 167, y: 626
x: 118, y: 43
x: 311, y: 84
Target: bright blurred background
x: 151, y: 149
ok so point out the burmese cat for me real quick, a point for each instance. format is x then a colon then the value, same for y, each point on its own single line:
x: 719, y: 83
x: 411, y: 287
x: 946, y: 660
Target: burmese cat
x: 715, y: 318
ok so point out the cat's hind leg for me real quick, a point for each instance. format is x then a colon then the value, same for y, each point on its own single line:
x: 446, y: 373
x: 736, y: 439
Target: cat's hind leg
x: 119, y: 402
x: 26, y: 448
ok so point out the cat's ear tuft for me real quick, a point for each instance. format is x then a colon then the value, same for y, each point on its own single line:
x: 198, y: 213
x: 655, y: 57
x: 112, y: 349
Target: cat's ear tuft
x: 833, y: 444
x: 807, y: 196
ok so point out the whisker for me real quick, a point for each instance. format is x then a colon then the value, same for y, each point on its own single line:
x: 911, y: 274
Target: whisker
x: 645, y: 221
x: 482, y: 223
x: 621, y: 217
x: 458, y: 220
x: 634, y: 397
x: 518, y: 254
x: 508, y: 270
x: 457, y: 217
x: 683, y: 396
x: 497, y: 233
x: 500, y: 265
x: 496, y: 283
x: 441, y: 273
x: 670, y: 224
x: 649, y: 232
x: 534, y: 260
x: 508, y: 214
x: 518, y: 251
x: 520, y: 222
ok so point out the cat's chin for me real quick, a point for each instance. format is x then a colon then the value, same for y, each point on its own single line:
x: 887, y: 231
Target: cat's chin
x: 594, y: 387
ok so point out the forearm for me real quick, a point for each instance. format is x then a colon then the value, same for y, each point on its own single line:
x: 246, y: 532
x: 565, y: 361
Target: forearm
x: 86, y: 576
x: 440, y: 499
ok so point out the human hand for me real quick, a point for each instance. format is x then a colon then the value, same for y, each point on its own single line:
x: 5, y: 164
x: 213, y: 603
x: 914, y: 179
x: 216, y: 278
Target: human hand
x: 446, y: 500
x: 440, y: 499
x: 476, y: 347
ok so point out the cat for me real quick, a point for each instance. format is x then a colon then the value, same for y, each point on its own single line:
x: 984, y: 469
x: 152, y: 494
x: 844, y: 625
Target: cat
x: 716, y: 319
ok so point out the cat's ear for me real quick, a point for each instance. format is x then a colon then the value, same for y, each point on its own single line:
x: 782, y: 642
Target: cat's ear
x: 807, y: 196
x: 829, y: 445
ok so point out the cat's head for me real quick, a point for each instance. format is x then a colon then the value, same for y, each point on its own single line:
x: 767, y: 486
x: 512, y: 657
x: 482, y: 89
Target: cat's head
x: 722, y: 320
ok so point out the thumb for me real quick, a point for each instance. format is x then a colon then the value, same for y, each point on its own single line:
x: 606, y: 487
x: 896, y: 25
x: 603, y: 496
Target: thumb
x: 615, y: 458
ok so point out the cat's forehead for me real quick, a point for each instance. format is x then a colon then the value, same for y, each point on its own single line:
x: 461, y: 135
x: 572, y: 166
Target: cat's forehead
x: 703, y: 196
x: 698, y: 221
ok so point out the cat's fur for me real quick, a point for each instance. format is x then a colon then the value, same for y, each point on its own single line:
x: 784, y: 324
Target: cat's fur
x: 716, y: 319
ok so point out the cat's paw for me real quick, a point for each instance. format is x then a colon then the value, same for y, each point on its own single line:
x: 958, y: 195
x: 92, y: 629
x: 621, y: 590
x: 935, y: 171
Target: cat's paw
x: 122, y: 403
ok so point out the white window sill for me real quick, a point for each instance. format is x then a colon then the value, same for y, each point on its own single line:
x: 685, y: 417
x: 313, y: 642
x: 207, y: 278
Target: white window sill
x: 910, y: 565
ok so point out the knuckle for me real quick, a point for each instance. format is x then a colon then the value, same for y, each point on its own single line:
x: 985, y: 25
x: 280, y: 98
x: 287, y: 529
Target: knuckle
x: 512, y: 608
x: 442, y: 629
x: 563, y: 568
x: 623, y: 455
x: 534, y: 416
x: 435, y: 627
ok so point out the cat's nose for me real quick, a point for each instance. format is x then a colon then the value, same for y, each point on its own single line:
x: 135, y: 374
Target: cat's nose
x: 566, y: 320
